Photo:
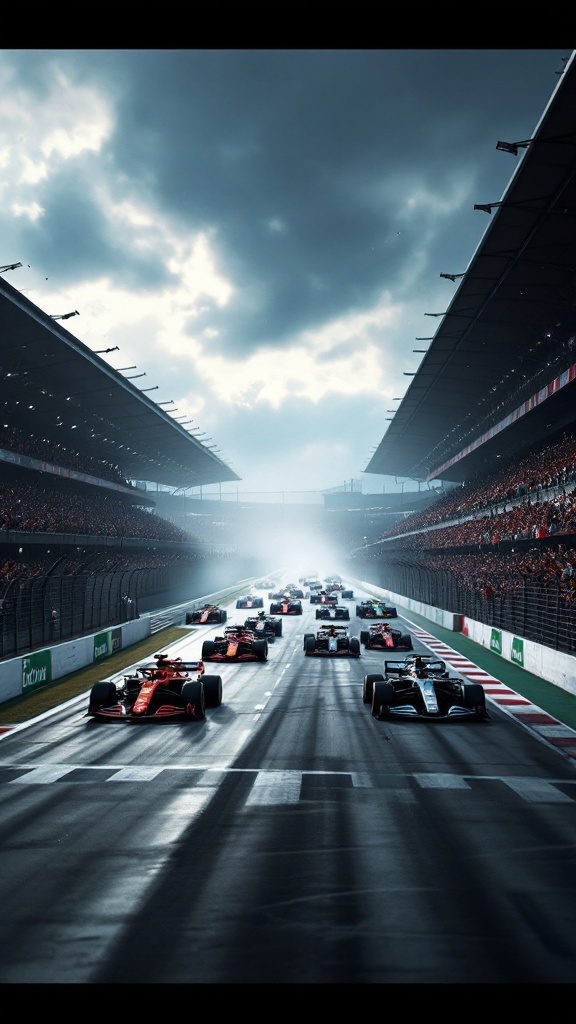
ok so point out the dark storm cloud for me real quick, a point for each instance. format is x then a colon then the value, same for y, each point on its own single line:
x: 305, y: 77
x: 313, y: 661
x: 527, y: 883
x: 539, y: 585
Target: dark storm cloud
x: 73, y: 239
x: 298, y: 161
x: 330, y: 184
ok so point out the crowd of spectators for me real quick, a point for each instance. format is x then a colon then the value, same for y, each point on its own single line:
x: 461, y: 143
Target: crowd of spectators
x: 529, y: 502
x: 41, y: 508
x: 13, y: 439
x: 553, y: 468
x: 98, y: 561
x: 39, y: 503
x: 495, y: 574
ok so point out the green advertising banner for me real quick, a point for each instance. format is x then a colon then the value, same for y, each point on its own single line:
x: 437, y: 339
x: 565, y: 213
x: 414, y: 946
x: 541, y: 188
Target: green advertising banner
x: 36, y: 670
x: 517, y: 651
x: 102, y: 645
x: 496, y: 641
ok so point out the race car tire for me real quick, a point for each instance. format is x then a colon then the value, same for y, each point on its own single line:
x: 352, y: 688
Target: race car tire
x: 298, y: 610
x: 368, y: 685
x: 343, y: 614
x: 321, y: 614
x: 194, y: 697
x: 102, y: 695
x: 260, y: 649
x: 406, y: 642
x: 275, y: 609
x: 365, y: 637
x: 307, y: 637
x: 474, y: 698
x: 354, y: 647
x: 348, y: 595
x: 278, y: 629
x: 309, y: 645
x: 189, y: 618
x: 223, y: 615
x: 240, y: 603
x: 382, y: 696
x: 212, y: 690
x: 208, y: 650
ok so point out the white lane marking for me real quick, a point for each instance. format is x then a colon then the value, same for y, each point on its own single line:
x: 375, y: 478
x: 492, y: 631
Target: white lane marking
x: 440, y: 780
x: 275, y: 788
x: 135, y: 774
x: 537, y: 791
x: 43, y: 776
x: 361, y: 780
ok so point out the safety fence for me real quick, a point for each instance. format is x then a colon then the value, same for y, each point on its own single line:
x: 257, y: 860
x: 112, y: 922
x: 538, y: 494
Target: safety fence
x: 45, y: 609
x: 532, y: 609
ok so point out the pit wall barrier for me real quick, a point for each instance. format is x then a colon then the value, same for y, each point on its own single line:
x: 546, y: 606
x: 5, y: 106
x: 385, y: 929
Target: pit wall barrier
x: 22, y: 674
x: 553, y: 666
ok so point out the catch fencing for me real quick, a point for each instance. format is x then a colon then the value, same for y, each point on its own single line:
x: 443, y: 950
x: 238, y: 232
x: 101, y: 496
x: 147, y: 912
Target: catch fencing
x: 532, y: 609
x: 42, y: 610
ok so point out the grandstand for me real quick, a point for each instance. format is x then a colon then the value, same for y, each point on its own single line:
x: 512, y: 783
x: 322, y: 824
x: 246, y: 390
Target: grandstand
x: 79, y: 533
x: 492, y: 409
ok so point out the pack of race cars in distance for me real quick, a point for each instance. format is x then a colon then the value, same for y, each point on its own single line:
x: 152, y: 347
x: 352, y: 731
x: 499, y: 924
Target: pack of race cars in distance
x: 237, y: 643
x: 383, y: 637
x: 374, y: 609
x: 421, y: 687
x: 331, y: 641
x: 208, y: 613
x: 167, y: 688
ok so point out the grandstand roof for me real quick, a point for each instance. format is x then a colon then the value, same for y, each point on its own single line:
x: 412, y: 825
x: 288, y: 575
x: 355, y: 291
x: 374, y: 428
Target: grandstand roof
x: 53, y: 383
x: 510, y: 329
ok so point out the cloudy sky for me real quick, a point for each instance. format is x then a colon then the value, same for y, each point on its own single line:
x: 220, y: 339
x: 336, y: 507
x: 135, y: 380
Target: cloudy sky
x: 260, y: 232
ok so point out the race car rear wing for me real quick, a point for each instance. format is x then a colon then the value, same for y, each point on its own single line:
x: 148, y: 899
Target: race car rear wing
x: 397, y: 668
x: 173, y: 665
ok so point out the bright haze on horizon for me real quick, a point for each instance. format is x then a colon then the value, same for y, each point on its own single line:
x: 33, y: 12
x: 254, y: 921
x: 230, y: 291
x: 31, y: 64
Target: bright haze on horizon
x: 258, y: 235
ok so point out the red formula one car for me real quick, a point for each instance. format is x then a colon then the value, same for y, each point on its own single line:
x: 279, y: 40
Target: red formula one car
x: 250, y: 601
x: 332, y: 641
x: 382, y: 637
x: 375, y: 610
x: 206, y: 614
x: 237, y: 644
x: 167, y: 688
x: 286, y: 605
